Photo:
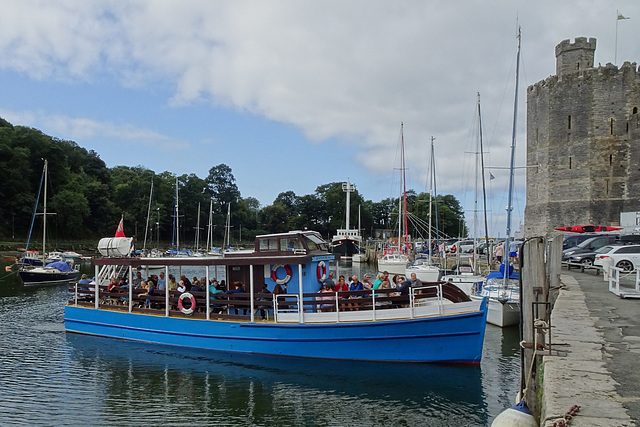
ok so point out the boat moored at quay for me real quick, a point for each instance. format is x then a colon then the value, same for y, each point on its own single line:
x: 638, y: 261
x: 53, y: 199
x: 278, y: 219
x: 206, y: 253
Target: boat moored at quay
x: 434, y: 323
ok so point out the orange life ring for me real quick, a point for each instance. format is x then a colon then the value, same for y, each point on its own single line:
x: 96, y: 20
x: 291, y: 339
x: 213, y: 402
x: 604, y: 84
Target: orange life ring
x: 185, y: 295
x: 286, y: 278
x: 322, y: 271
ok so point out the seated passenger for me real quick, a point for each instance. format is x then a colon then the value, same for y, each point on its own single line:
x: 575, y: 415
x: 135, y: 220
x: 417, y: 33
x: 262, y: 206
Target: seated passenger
x: 238, y: 290
x: 181, y: 287
x: 113, y: 285
x: 328, y: 301
x: 173, y: 284
x: 265, y: 301
x: 214, y: 290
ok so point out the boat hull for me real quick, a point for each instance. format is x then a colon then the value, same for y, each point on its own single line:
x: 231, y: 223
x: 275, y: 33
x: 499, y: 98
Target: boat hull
x: 454, y: 338
x: 38, y: 277
x: 502, y: 314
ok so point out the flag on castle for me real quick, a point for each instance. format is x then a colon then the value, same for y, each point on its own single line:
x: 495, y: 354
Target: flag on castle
x: 621, y: 17
x: 120, y: 230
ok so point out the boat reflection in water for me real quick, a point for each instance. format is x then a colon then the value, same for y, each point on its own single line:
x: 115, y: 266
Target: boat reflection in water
x: 169, y: 385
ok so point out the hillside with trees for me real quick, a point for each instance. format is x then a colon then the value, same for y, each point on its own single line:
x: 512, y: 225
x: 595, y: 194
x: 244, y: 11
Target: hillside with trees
x: 89, y: 198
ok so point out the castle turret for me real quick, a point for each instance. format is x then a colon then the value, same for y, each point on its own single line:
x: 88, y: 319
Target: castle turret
x: 574, y: 57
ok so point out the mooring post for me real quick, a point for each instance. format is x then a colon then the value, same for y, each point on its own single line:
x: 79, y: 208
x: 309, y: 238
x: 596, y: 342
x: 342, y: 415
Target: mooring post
x: 534, y: 289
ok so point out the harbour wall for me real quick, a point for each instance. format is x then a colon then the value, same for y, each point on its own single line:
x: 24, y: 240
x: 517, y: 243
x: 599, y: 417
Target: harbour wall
x: 584, y: 377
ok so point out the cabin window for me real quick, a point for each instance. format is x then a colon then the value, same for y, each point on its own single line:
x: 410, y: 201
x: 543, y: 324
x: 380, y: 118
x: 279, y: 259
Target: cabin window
x: 268, y: 245
x: 290, y: 244
x: 569, y: 122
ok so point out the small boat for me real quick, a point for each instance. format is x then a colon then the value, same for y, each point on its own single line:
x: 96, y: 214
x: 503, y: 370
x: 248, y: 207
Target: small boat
x: 424, y: 270
x: 434, y: 323
x: 346, y: 242
x: 588, y: 228
x: 504, y: 301
x: 393, y: 262
x: 52, y: 273
x: 32, y: 258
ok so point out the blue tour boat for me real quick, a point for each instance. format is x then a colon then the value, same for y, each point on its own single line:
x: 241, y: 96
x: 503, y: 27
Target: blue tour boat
x: 434, y: 323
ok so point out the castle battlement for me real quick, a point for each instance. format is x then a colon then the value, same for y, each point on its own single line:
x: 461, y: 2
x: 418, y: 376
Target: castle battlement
x: 580, y: 43
x: 574, y: 57
x: 609, y: 71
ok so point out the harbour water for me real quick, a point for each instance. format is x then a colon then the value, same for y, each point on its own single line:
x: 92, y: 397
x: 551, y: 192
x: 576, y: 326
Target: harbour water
x: 49, y: 377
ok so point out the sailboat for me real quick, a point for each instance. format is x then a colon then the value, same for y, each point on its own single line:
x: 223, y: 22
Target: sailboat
x: 52, y: 273
x: 503, y: 288
x: 346, y: 242
x: 424, y: 268
x: 395, y: 260
x: 466, y: 277
x: 359, y: 256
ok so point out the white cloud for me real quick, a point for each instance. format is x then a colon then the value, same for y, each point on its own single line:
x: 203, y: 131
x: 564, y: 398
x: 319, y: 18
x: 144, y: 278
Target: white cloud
x: 352, y: 70
x: 82, y: 128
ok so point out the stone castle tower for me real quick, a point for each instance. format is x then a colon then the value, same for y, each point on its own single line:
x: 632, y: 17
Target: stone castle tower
x: 583, y: 130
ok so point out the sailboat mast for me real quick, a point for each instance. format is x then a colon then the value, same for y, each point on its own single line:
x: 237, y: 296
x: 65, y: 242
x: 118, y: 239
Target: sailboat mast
x: 431, y: 177
x: 44, y: 213
x: 210, y: 227
x: 146, y: 228
x: 404, y: 196
x: 484, y: 188
x: 197, y: 236
x: 348, y: 188
x: 176, y: 219
x: 511, y: 165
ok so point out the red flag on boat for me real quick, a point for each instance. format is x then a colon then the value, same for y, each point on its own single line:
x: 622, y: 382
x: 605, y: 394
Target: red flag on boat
x: 588, y: 228
x: 120, y: 230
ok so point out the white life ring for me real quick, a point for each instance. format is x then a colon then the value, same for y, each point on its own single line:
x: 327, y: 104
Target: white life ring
x: 322, y: 271
x: 286, y: 278
x: 183, y: 296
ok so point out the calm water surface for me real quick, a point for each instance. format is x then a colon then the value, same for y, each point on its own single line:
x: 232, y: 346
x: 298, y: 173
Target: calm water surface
x: 49, y: 377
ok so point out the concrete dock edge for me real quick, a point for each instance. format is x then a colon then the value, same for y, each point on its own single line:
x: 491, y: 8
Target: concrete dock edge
x: 581, y: 378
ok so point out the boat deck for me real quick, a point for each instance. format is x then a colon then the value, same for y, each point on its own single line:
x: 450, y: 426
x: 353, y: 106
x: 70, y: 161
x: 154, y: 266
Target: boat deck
x: 353, y: 306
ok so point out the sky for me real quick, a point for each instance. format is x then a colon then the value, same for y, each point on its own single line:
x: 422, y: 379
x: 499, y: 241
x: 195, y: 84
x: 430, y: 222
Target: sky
x: 296, y: 94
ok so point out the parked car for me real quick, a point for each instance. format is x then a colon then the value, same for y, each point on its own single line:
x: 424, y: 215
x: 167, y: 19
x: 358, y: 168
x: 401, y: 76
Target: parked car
x: 587, y: 259
x: 626, y: 257
x: 593, y: 243
x: 575, y: 240
x: 465, y: 246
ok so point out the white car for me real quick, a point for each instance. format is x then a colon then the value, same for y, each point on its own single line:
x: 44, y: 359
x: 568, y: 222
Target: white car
x: 626, y: 257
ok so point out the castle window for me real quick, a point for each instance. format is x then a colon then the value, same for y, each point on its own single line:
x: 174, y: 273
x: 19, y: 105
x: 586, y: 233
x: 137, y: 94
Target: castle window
x: 606, y: 189
x: 577, y: 66
x: 611, y: 126
x: 569, y: 122
x: 635, y: 110
x: 627, y: 127
x: 610, y: 159
x: 569, y: 162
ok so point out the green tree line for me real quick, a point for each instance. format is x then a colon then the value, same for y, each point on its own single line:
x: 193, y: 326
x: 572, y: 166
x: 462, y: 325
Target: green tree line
x: 89, y: 198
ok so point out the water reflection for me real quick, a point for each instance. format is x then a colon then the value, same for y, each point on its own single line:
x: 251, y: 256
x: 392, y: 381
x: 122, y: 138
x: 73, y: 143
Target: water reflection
x: 264, y: 390
x: 50, y: 377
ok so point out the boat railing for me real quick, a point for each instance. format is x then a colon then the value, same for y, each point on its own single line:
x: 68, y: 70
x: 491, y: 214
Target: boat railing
x: 347, y: 306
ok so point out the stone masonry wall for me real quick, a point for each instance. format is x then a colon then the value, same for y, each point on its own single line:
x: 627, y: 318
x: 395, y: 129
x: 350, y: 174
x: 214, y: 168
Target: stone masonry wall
x: 583, y: 130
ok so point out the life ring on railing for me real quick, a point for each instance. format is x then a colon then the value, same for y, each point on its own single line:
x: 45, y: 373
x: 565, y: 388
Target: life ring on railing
x: 286, y: 278
x: 185, y: 295
x: 322, y: 271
